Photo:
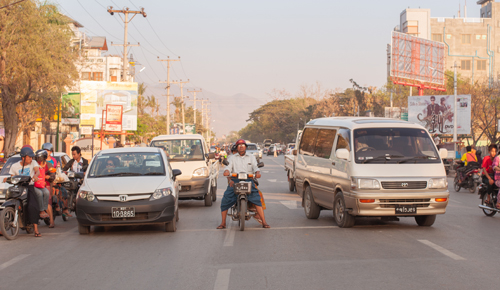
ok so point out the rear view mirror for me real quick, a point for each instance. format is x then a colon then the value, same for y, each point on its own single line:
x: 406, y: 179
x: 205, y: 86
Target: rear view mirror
x: 225, y: 162
x: 443, y: 153
x: 79, y: 175
x: 176, y: 172
x: 342, y: 154
x: 294, y: 152
x: 260, y: 164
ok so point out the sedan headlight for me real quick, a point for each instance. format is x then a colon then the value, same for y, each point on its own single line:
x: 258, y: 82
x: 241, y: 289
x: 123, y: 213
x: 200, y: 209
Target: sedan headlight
x: 201, y: 172
x: 161, y: 192
x: 438, y: 183
x: 364, y: 183
x: 85, y: 194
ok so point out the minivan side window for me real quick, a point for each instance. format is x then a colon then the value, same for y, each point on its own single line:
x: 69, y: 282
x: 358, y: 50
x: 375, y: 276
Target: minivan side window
x: 344, y: 139
x: 324, y: 143
x: 308, y: 141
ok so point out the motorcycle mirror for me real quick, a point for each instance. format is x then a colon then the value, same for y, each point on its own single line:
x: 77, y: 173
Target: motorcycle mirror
x: 260, y: 164
x: 225, y: 162
x: 79, y: 175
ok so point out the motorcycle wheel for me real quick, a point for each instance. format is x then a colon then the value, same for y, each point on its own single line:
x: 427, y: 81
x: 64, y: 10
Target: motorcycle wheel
x: 472, y: 186
x: 485, y: 211
x: 456, y: 185
x: 214, y: 193
x: 243, y: 213
x: 9, y: 230
x: 72, y: 203
x: 46, y: 221
x: 65, y: 217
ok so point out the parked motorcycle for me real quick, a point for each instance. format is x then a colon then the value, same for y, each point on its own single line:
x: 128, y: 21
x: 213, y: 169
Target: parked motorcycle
x: 15, y: 208
x: 471, y: 178
x: 488, y: 207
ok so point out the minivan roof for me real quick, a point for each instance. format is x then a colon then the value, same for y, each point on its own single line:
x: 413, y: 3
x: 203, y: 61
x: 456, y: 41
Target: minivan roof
x: 362, y: 122
x: 178, y: 136
x: 129, y: 150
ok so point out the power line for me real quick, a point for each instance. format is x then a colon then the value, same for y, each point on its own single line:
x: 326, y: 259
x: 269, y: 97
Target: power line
x: 145, y: 39
x: 142, y: 50
x: 96, y: 20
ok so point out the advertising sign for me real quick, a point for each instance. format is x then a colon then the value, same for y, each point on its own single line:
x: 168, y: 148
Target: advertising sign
x: 436, y: 113
x: 70, y: 109
x: 395, y: 112
x: 114, y: 115
x: 95, y: 96
x: 85, y: 130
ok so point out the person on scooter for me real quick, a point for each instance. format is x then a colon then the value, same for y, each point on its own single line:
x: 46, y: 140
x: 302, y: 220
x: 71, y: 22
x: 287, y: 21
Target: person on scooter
x: 78, y: 163
x: 29, y: 167
x: 41, y: 191
x: 466, y: 159
x: 241, y: 162
x: 487, y: 170
x: 50, y: 152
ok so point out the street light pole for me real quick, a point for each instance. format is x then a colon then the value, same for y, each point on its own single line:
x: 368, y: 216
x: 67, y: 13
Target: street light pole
x: 455, y: 126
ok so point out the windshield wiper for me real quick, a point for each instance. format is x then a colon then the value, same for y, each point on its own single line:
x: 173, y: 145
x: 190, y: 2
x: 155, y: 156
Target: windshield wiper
x: 415, y: 158
x: 154, y: 173
x: 386, y: 157
x: 121, y: 174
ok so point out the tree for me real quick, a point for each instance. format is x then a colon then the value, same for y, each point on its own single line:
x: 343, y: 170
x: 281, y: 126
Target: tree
x: 36, y: 61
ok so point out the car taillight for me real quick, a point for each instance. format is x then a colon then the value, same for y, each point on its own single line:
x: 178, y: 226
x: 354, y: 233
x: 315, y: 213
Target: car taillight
x: 475, y: 171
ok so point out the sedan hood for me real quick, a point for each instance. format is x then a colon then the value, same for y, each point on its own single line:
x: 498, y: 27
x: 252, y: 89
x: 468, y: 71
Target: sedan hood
x: 123, y: 185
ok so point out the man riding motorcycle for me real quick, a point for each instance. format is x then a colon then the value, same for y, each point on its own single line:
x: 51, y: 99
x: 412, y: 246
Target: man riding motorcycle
x: 241, y: 162
x: 487, y: 170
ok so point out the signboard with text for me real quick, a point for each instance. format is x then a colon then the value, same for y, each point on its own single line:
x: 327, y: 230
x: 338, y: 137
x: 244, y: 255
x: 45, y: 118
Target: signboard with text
x: 114, y: 114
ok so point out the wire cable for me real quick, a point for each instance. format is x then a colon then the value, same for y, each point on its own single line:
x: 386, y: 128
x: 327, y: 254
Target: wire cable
x: 96, y: 20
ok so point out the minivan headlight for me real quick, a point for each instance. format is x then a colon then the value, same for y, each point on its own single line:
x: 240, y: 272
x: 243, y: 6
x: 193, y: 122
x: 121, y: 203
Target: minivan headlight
x: 364, y: 183
x: 161, y: 192
x: 201, y: 172
x: 438, y: 183
x: 85, y: 194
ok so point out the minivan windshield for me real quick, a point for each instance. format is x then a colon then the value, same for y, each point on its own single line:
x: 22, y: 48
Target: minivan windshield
x: 182, y: 149
x: 394, y: 145
x: 127, y: 164
x: 251, y: 147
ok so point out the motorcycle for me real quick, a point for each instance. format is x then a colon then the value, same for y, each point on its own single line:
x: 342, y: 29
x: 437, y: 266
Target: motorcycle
x: 488, y: 207
x: 72, y: 186
x: 471, y: 178
x: 15, y: 208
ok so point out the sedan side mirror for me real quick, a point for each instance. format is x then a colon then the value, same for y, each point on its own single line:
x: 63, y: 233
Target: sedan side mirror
x: 176, y: 172
x: 260, y: 164
x: 342, y: 154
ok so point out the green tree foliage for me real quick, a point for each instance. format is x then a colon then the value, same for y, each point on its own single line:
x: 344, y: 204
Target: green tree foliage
x: 36, y: 62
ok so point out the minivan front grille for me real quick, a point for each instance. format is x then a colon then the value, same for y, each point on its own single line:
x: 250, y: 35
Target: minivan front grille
x: 404, y: 184
x: 405, y: 200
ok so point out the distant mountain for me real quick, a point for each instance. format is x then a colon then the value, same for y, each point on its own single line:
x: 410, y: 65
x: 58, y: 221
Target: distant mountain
x: 229, y: 113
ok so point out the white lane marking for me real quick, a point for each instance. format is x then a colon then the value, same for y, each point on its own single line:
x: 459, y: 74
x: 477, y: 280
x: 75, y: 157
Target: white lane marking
x: 278, y: 163
x: 230, y: 232
x: 13, y: 261
x: 272, y: 180
x: 265, y: 171
x: 442, y: 250
x: 291, y: 204
x: 292, y: 228
x: 222, y: 280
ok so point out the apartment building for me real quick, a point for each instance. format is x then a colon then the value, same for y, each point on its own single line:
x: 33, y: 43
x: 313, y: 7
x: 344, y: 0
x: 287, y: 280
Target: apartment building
x: 470, y: 42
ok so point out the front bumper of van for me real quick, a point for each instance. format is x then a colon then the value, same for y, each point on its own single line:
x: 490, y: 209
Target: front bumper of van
x: 390, y: 203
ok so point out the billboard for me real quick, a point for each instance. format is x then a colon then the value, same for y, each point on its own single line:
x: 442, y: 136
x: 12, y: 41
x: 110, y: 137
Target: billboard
x: 436, y: 113
x: 417, y: 60
x: 96, y: 95
x: 114, y: 114
x: 70, y: 108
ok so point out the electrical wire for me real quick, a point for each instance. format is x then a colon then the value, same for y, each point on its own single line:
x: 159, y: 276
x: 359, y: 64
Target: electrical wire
x: 142, y: 50
x: 96, y: 20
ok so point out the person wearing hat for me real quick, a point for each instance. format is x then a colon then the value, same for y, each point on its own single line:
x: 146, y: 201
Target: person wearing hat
x: 241, y: 162
x: 433, y: 108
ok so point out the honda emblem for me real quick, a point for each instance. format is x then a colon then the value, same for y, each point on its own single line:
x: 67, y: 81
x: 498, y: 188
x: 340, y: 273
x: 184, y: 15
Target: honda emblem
x: 123, y: 198
x: 404, y: 184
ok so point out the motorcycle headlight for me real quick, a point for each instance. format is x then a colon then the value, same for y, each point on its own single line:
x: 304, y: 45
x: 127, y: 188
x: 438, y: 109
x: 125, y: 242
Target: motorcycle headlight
x: 201, y: 172
x: 437, y: 183
x: 85, y: 194
x: 71, y: 174
x: 364, y: 183
x: 15, y: 180
x: 161, y: 192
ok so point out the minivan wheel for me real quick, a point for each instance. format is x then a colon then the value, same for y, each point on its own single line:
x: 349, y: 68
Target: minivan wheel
x: 291, y: 183
x: 171, y: 226
x: 214, y: 193
x: 83, y: 230
x: 208, y: 199
x: 177, y: 215
x: 425, y: 220
x: 311, y: 208
x: 342, y: 217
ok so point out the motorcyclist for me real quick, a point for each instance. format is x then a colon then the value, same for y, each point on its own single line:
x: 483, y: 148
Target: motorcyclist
x: 487, y: 170
x: 42, y: 186
x: 466, y: 159
x: 77, y: 164
x: 241, y: 162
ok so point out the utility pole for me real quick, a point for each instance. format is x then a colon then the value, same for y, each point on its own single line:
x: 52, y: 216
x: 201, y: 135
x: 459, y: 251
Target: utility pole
x: 181, y: 85
x: 455, y: 125
x: 168, y: 60
x: 194, y: 108
x: 126, y: 12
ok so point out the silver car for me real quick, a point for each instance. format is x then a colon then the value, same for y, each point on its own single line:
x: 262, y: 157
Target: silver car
x: 252, y: 148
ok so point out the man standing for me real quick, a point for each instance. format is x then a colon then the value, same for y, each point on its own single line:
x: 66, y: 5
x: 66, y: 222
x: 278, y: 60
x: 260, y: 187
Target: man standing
x: 241, y: 162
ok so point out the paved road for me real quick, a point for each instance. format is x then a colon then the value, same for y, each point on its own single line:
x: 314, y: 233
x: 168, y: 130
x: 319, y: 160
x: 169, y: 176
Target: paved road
x: 458, y: 252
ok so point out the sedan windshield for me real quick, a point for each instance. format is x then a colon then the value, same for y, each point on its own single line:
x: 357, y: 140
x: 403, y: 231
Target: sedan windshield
x: 127, y: 164
x: 252, y: 147
x: 394, y: 145
x: 181, y: 149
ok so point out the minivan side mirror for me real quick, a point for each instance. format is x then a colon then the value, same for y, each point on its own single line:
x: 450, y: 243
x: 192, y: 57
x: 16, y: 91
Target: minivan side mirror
x: 342, y: 154
x: 294, y: 152
x: 176, y: 172
x: 443, y: 153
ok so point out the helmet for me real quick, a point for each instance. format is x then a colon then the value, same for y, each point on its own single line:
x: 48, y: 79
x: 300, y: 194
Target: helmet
x: 241, y: 141
x: 27, y: 146
x: 233, y: 148
x: 48, y: 146
x: 27, y: 151
x: 41, y: 154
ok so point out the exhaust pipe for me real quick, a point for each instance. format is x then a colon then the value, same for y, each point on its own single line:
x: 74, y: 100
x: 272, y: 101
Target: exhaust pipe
x: 488, y: 208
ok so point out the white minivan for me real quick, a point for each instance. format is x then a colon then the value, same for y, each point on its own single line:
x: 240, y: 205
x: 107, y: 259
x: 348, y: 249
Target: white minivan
x: 375, y: 167
x: 190, y: 154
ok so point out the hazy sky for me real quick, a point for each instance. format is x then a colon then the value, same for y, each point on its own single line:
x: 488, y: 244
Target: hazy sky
x: 252, y: 47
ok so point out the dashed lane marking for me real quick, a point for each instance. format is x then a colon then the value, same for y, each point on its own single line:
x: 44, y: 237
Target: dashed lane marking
x: 272, y: 180
x: 442, y: 250
x: 222, y: 280
x: 13, y: 261
x: 230, y: 232
x: 291, y: 204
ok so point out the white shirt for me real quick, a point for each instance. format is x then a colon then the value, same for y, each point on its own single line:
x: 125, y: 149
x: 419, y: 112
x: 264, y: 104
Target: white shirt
x: 27, y: 170
x: 242, y: 164
x: 77, y: 166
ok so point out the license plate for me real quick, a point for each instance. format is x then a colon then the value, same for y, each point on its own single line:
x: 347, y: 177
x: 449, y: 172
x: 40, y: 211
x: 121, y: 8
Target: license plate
x: 242, y: 187
x: 122, y: 212
x: 406, y: 209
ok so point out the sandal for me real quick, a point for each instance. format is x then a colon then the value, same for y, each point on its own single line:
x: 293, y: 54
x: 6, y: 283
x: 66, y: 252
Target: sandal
x: 38, y: 235
x: 258, y: 220
x: 44, y: 215
x: 221, y: 227
x: 51, y: 226
x: 266, y: 226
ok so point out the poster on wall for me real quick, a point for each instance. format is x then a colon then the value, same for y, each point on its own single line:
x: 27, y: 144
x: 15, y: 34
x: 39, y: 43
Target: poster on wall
x: 436, y: 113
x: 114, y: 114
x: 95, y: 96
x: 70, y: 108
